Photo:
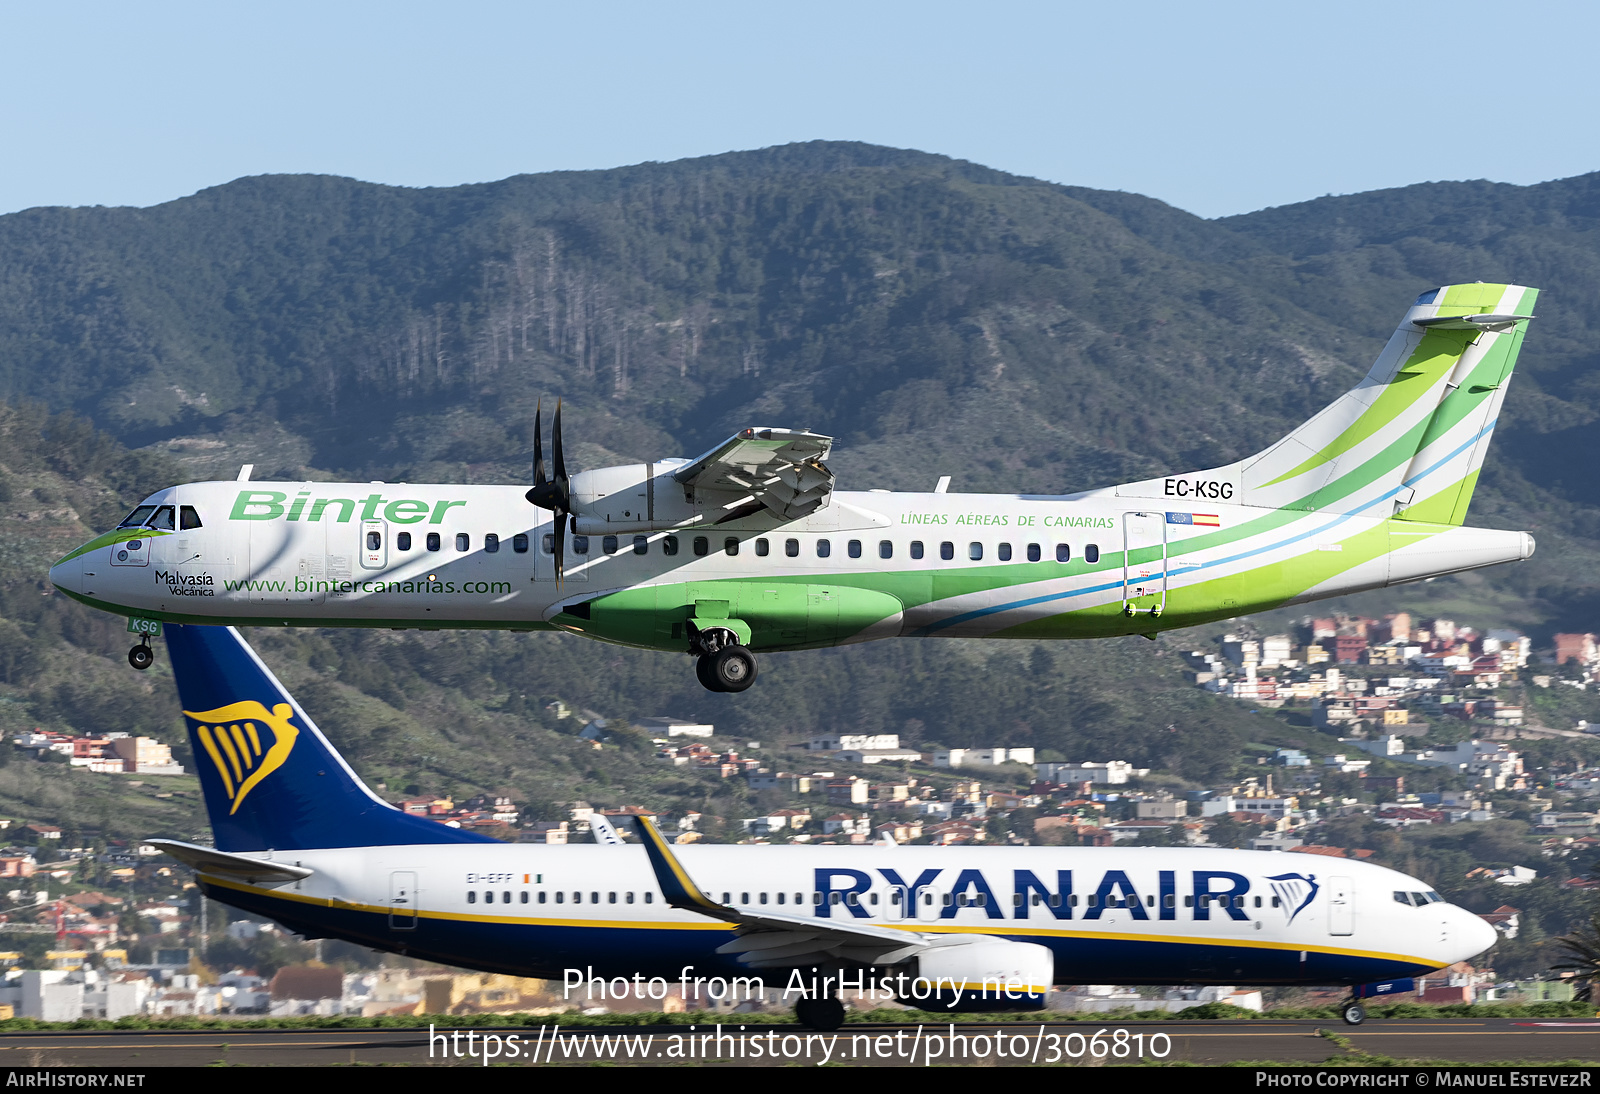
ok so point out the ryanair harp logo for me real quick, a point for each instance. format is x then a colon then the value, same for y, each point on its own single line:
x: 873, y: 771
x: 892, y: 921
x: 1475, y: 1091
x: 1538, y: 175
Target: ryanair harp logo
x: 231, y: 736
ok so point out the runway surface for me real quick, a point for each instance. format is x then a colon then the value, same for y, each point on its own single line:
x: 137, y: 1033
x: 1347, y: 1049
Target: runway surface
x: 1214, y: 1042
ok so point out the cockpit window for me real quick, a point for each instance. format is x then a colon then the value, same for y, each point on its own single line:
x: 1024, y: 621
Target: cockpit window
x: 1402, y: 898
x: 137, y: 518
x: 1432, y: 897
x: 163, y: 519
x: 187, y: 517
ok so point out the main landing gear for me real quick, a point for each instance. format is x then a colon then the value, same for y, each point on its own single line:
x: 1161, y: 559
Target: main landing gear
x: 1353, y: 1013
x: 723, y: 664
x: 823, y: 1015
x: 142, y: 656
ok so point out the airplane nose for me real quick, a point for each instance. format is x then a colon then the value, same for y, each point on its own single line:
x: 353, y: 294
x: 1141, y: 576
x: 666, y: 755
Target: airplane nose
x: 67, y: 574
x: 1476, y: 935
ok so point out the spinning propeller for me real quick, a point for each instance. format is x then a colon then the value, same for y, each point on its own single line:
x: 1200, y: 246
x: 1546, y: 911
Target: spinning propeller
x: 553, y: 493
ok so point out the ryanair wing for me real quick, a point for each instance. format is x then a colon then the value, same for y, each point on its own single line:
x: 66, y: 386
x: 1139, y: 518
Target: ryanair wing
x: 781, y: 470
x: 208, y: 860
x: 773, y: 940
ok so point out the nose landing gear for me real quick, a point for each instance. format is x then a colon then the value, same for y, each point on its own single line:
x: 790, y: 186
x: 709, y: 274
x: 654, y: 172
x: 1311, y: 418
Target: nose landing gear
x: 142, y: 656
x: 723, y: 665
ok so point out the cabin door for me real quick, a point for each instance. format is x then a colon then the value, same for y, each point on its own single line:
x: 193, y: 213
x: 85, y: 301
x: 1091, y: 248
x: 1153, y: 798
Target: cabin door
x: 1144, y: 563
x: 1341, y: 906
x: 402, y: 900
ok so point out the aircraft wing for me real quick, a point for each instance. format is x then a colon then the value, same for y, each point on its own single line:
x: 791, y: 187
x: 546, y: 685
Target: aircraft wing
x: 208, y: 860
x: 775, y: 940
x: 781, y: 470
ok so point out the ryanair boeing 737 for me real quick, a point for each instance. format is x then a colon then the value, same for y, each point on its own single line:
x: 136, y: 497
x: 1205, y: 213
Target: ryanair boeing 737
x: 300, y: 839
x: 750, y: 547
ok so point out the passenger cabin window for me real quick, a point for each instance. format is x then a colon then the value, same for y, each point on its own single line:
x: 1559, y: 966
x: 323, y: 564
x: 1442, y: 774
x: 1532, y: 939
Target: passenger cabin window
x: 824, y: 548
x: 885, y: 549
x: 916, y: 548
x: 608, y: 544
x: 947, y: 550
x: 374, y: 541
x: 137, y: 518
x: 519, y: 543
x: 730, y: 546
x: 163, y: 519
x: 491, y: 544
x: 763, y: 548
x: 1063, y: 552
x: 1034, y: 554
x: 433, y: 542
x: 641, y: 545
x: 702, y: 546
x: 463, y: 541
x: 1004, y: 552
x: 791, y: 547
x: 580, y: 545
x: 669, y: 546
x: 472, y: 896
x: 975, y: 551
x: 188, y: 517
x: 402, y: 540
x: 1091, y: 552
x: 547, y: 544
x: 853, y: 548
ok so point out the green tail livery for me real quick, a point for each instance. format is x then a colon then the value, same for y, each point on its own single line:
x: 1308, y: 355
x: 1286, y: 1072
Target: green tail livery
x: 749, y: 547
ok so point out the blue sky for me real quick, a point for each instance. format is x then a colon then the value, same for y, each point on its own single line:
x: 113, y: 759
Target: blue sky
x: 1216, y: 108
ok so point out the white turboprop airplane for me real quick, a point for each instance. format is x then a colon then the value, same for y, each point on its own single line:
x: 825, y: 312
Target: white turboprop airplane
x: 749, y: 547
x: 300, y: 839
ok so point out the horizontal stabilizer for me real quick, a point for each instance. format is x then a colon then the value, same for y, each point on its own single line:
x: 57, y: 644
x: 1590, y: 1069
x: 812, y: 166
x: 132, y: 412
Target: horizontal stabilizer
x: 1471, y: 322
x: 208, y: 860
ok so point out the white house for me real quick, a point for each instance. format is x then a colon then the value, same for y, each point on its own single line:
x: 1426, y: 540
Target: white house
x: 1110, y: 773
x: 832, y: 742
x: 981, y: 757
x: 673, y: 727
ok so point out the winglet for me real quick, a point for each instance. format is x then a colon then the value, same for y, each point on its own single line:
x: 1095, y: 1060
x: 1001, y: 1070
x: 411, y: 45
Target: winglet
x: 676, y: 885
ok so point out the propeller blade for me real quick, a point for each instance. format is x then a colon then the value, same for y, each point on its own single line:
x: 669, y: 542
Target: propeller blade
x: 558, y: 461
x: 561, y: 545
x: 538, y: 444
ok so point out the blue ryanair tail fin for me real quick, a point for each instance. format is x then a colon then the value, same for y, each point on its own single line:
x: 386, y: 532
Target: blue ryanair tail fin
x: 271, y: 779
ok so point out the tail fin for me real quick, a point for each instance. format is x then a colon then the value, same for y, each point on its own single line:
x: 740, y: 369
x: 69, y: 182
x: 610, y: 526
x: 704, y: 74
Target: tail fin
x: 271, y: 779
x: 1407, y: 441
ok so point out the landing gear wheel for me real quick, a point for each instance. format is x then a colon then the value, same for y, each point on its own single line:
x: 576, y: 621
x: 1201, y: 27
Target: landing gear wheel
x: 141, y: 656
x: 702, y: 672
x: 823, y: 1015
x: 1353, y: 1014
x: 732, y: 668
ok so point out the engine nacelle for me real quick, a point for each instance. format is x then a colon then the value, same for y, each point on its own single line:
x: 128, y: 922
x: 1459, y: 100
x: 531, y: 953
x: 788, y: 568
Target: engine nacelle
x: 983, y: 973
x: 631, y: 497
